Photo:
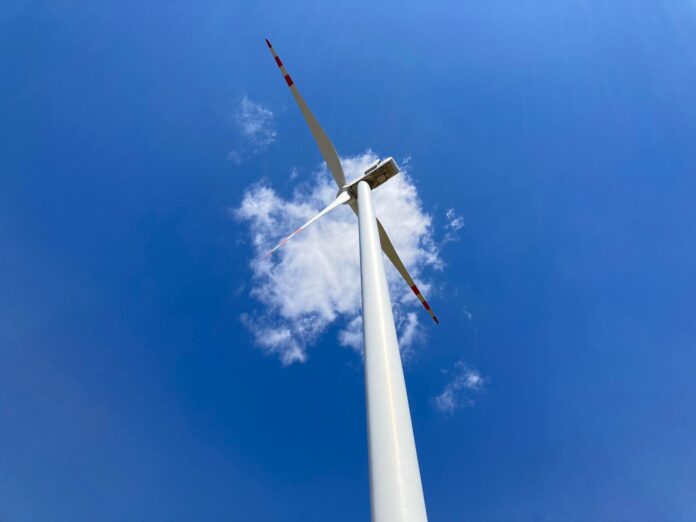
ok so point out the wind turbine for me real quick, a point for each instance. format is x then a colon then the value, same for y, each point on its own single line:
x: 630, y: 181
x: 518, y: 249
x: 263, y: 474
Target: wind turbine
x: 396, y: 493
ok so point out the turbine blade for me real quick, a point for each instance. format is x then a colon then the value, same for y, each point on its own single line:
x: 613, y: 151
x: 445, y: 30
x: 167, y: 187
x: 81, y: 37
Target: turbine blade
x: 325, y: 146
x: 389, y: 250
x: 342, y: 198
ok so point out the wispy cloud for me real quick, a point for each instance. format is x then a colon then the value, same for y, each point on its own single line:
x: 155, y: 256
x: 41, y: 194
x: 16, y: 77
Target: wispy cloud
x: 461, y: 391
x: 454, y: 224
x: 411, y: 333
x: 313, y: 282
x: 254, y: 122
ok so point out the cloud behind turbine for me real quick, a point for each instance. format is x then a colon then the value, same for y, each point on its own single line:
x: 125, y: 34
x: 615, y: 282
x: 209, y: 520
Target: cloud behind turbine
x: 313, y: 282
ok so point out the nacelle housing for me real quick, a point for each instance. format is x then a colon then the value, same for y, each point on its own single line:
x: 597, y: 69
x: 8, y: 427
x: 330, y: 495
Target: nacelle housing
x: 376, y: 174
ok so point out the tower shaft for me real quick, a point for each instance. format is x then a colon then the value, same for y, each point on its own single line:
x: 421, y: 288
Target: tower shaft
x: 396, y: 493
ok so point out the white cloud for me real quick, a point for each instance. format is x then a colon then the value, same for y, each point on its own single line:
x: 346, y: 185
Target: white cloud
x: 235, y: 156
x: 276, y: 339
x: 454, y: 224
x: 411, y: 333
x: 352, y: 334
x: 460, y: 392
x: 254, y: 122
x: 313, y: 281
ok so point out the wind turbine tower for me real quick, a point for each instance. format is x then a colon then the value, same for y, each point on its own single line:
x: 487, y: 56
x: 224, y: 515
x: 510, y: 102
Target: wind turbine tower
x: 396, y: 493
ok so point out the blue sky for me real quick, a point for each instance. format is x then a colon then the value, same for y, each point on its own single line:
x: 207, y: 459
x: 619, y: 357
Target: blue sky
x: 561, y: 132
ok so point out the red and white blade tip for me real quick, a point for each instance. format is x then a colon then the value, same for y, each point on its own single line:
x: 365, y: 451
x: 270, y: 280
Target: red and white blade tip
x: 280, y: 65
x: 425, y: 304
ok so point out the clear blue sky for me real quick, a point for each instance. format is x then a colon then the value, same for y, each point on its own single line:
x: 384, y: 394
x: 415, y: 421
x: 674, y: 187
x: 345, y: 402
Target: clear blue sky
x: 563, y: 131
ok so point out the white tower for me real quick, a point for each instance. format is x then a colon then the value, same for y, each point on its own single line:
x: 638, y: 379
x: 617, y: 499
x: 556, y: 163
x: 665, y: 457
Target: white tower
x: 396, y: 493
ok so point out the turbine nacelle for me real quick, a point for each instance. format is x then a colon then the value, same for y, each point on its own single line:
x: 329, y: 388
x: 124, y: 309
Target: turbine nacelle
x: 376, y: 174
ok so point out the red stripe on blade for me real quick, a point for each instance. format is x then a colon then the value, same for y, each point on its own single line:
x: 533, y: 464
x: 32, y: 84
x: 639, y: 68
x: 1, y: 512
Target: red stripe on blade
x: 415, y: 290
x: 268, y: 44
x: 288, y: 80
x: 427, y: 306
x: 436, y: 320
x: 280, y: 64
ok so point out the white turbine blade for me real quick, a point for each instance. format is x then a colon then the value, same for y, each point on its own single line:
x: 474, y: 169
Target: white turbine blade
x: 342, y: 198
x: 389, y: 250
x: 325, y: 146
